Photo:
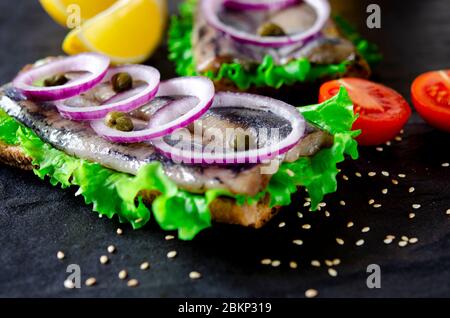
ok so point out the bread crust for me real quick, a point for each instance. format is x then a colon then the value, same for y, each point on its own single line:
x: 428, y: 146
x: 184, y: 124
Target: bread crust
x: 223, y: 210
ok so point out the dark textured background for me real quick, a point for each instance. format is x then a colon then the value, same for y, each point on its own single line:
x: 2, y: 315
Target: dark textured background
x: 37, y: 220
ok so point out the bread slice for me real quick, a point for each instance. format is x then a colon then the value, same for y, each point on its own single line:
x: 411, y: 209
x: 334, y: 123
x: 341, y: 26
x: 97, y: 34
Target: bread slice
x: 223, y: 210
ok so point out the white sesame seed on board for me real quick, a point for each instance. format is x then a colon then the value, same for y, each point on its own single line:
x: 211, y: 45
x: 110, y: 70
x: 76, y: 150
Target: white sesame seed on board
x: 339, y: 241
x: 104, y: 259
x: 275, y: 263
x: 311, y: 293
x: 411, y: 215
x: 411, y: 189
x: 402, y: 175
x: 172, y: 254
x: 293, y: 265
x: 60, y: 255
x: 297, y: 242
x: 384, y: 191
x: 169, y: 237
x: 327, y: 214
x: 402, y: 132
x: 390, y: 236
x: 144, y: 266
x: 195, y: 275
x: 447, y: 212
x: 359, y: 242
x: 358, y: 174
x: 282, y: 224
x: 344, y: 177
x: 332, y: 272
x: 306, y: 226
x: 111, y: 249
x: 336, y: 261
x: 119, y: 231
x: 328, y: 263
x: 376, y: 206
x: 402, y: 243
x: 123, y: 274
x: 69, y: 284
x: 387, y: 241
x: 365, y: 229
x: 413, y: 240
x: 372, y: 174
x: 315, y: 263
x: 342, y: 202
x: 133, y: 283
x: 416, y: 206
x: 91, y: 281
x: 404, y: 238
x: 394, y: 182
x: 299, y: 215
x: 266, y: 261
x: 307, y: 203
x: 379, y: 149
x: 388, y: 143
x: 371, y: 201
x: 445, y: 165
x: 308, y: 199
x: 350, y: 224
x: 385, y: 173
x: 398, y: 138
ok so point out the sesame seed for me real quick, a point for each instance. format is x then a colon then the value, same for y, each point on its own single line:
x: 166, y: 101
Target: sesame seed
x: 293, y: 265
x: 416, y: 206
x: 327, y: 214
x: 398, y: 138
x: 195, y: 275
x: 384, y: 191
x: 388, y: 143
x: 111, y: 249
x: 275, y: 263
x: 344, y: 177
x: 339, y: 241
x: 336, y: 261
x: 300, y: 215
x: 404, y: 238
x: 358, y: 174
x: 133, y: 283
x: 123, y: 274
x: 91, y: 281
x: 392, y: 237
x: 328, y: 263
x: 69, y: 284
x: 411, y: 190
x: 365, y: 229
x: 266, y: 261
x: 413, y: 240
x: 379, y: 149
x: 447, y: 212
x: 282, y: 224
x: 395, y: 182
x: 315, y: 263
x: 332, y: 272
x: 387, y: 241
x: 402, y: 131
x: 308, y: 199
x: 359, y: 242
x: 402, y: 243
x: 445, y: 164
x: 139, y: 220
x: 342, y: 202
x: 144, y: 266
x: 311, y: 293
x: 376, y: 206
x: 119, y: 231
x: 412, y: 215
x: 402, y: 175
x: 322, y: 204
x: 350, y: 224
x: 172, y: 254
x: 385, y: 173
x: 290, y: 172
x: 297, y: 242
x: 169, y: 237
x: 371, y: 201
x: 307, y: 203
x: 104, y: 259
x: 306, y: 226
x: 60, y: 255
x: 372, y: 174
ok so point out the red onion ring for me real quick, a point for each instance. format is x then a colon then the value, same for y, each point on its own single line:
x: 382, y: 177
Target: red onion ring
x: 200, y: 87
x: 259, y: 5
x: 322, y: 8
x: 288, y: 112
x: 96, y: 64
x: 123, y: 102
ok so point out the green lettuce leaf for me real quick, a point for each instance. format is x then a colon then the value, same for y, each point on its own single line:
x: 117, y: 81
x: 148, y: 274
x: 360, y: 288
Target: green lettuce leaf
x: 114, y: 193
x: 265, y: 74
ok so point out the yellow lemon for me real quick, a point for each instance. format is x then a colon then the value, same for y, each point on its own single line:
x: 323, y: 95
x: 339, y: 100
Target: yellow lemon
x: 129, y: 31
x: 70, y: 12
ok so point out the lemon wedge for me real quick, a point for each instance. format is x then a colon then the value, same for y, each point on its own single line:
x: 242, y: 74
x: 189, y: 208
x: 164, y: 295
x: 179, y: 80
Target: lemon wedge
x: 61, y: 10
x: 129, y: 31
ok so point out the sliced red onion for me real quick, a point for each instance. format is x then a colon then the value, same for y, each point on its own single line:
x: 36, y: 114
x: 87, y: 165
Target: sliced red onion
x: 322, y: 7
x: 169, y: 118
x: 96, y: 66
x: 259, y: 5
x: 267, y: 152
x: 123, y: 102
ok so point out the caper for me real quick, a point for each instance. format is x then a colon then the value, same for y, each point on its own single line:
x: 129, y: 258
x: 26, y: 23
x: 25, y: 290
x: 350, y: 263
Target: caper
x: 124, y: 124
x: 56, y: 80
x: 111, y: 118
x: 121, y: 82
x: 271, y: 29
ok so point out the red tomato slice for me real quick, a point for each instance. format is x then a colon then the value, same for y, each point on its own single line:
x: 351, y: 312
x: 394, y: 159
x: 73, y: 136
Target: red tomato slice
x: 431, y: 96
x: 382, y: 111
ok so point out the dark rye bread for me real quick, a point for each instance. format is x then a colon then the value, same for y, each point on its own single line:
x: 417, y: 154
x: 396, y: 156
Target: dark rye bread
x: 223, y: 210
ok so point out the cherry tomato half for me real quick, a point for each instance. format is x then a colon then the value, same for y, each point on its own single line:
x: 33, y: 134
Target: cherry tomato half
x: 431, y: 96
x: 382, y: 111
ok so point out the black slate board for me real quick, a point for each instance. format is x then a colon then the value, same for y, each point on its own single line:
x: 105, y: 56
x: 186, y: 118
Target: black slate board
x: 37, y: 220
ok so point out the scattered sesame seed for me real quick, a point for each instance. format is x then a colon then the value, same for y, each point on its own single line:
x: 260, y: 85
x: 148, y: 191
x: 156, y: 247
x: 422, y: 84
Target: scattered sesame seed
x: 447, y: 212
x: 282, y: 224
x: 297, y: 242
x: 91, y: 281
x: 402, y: 175
x: 328, y: 263
x: 332, y: 272
x: 111, y: 249
x: 266, y: 261
x: 133, y: 283
x: 372, y: 174
x: 411, y: 190
x: 172, y: 254
x: 307, y: 203
x: 385, y: 173
x: 387, y: 241
x: 327, y: 214
x: 388, y: 143
x: 402, y: 243
x: 195, y: 275
x: 290, y: 172
x: 358, y: 174
x: 404, y: 238
x: 380, y: 149
x: 123, y: 274
x: 413, y: 240
x: 350, y: 224
x: 69, y: 284
x: 315, y: 263
x: 322, y: 204
x: 169, y: 237
x: 392, y: 237
x: 384, y: 191
x: 144, y: 266
x: 398, y: 138
x: 293, y: 265
x: 339, y: 241
x: 376, y: 206
x: 308, y: 199
x: 416, y: 206
x: 395, y: 182
x: 344, y: 177
x: 119, y: 231
x: 104, y: 259
x: 412, y: 215
x: 342, y: 202
x: 306, y: 226
x: 300, y: 214
x: 445, y: 164
x: 336, y: 261
x: 365, y: 229
x: 275, y: 263
x: 311, y: 293
x: 139, y: 220
x: 402, y: 131
x: 60, y: 255
x: 371, y: 201
x: 359, y: 242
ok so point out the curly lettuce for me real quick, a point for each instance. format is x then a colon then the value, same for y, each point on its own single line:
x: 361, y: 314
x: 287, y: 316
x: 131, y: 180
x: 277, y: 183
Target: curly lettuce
x: 113, y: 193
x: 268, y: 73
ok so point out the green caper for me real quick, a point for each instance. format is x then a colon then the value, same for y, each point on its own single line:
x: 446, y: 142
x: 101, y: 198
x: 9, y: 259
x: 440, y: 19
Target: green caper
x: 124, y: 124
x: 121, y: 82
x: 56, y: 80
x: 271, y: 29
x: 111, y: 118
